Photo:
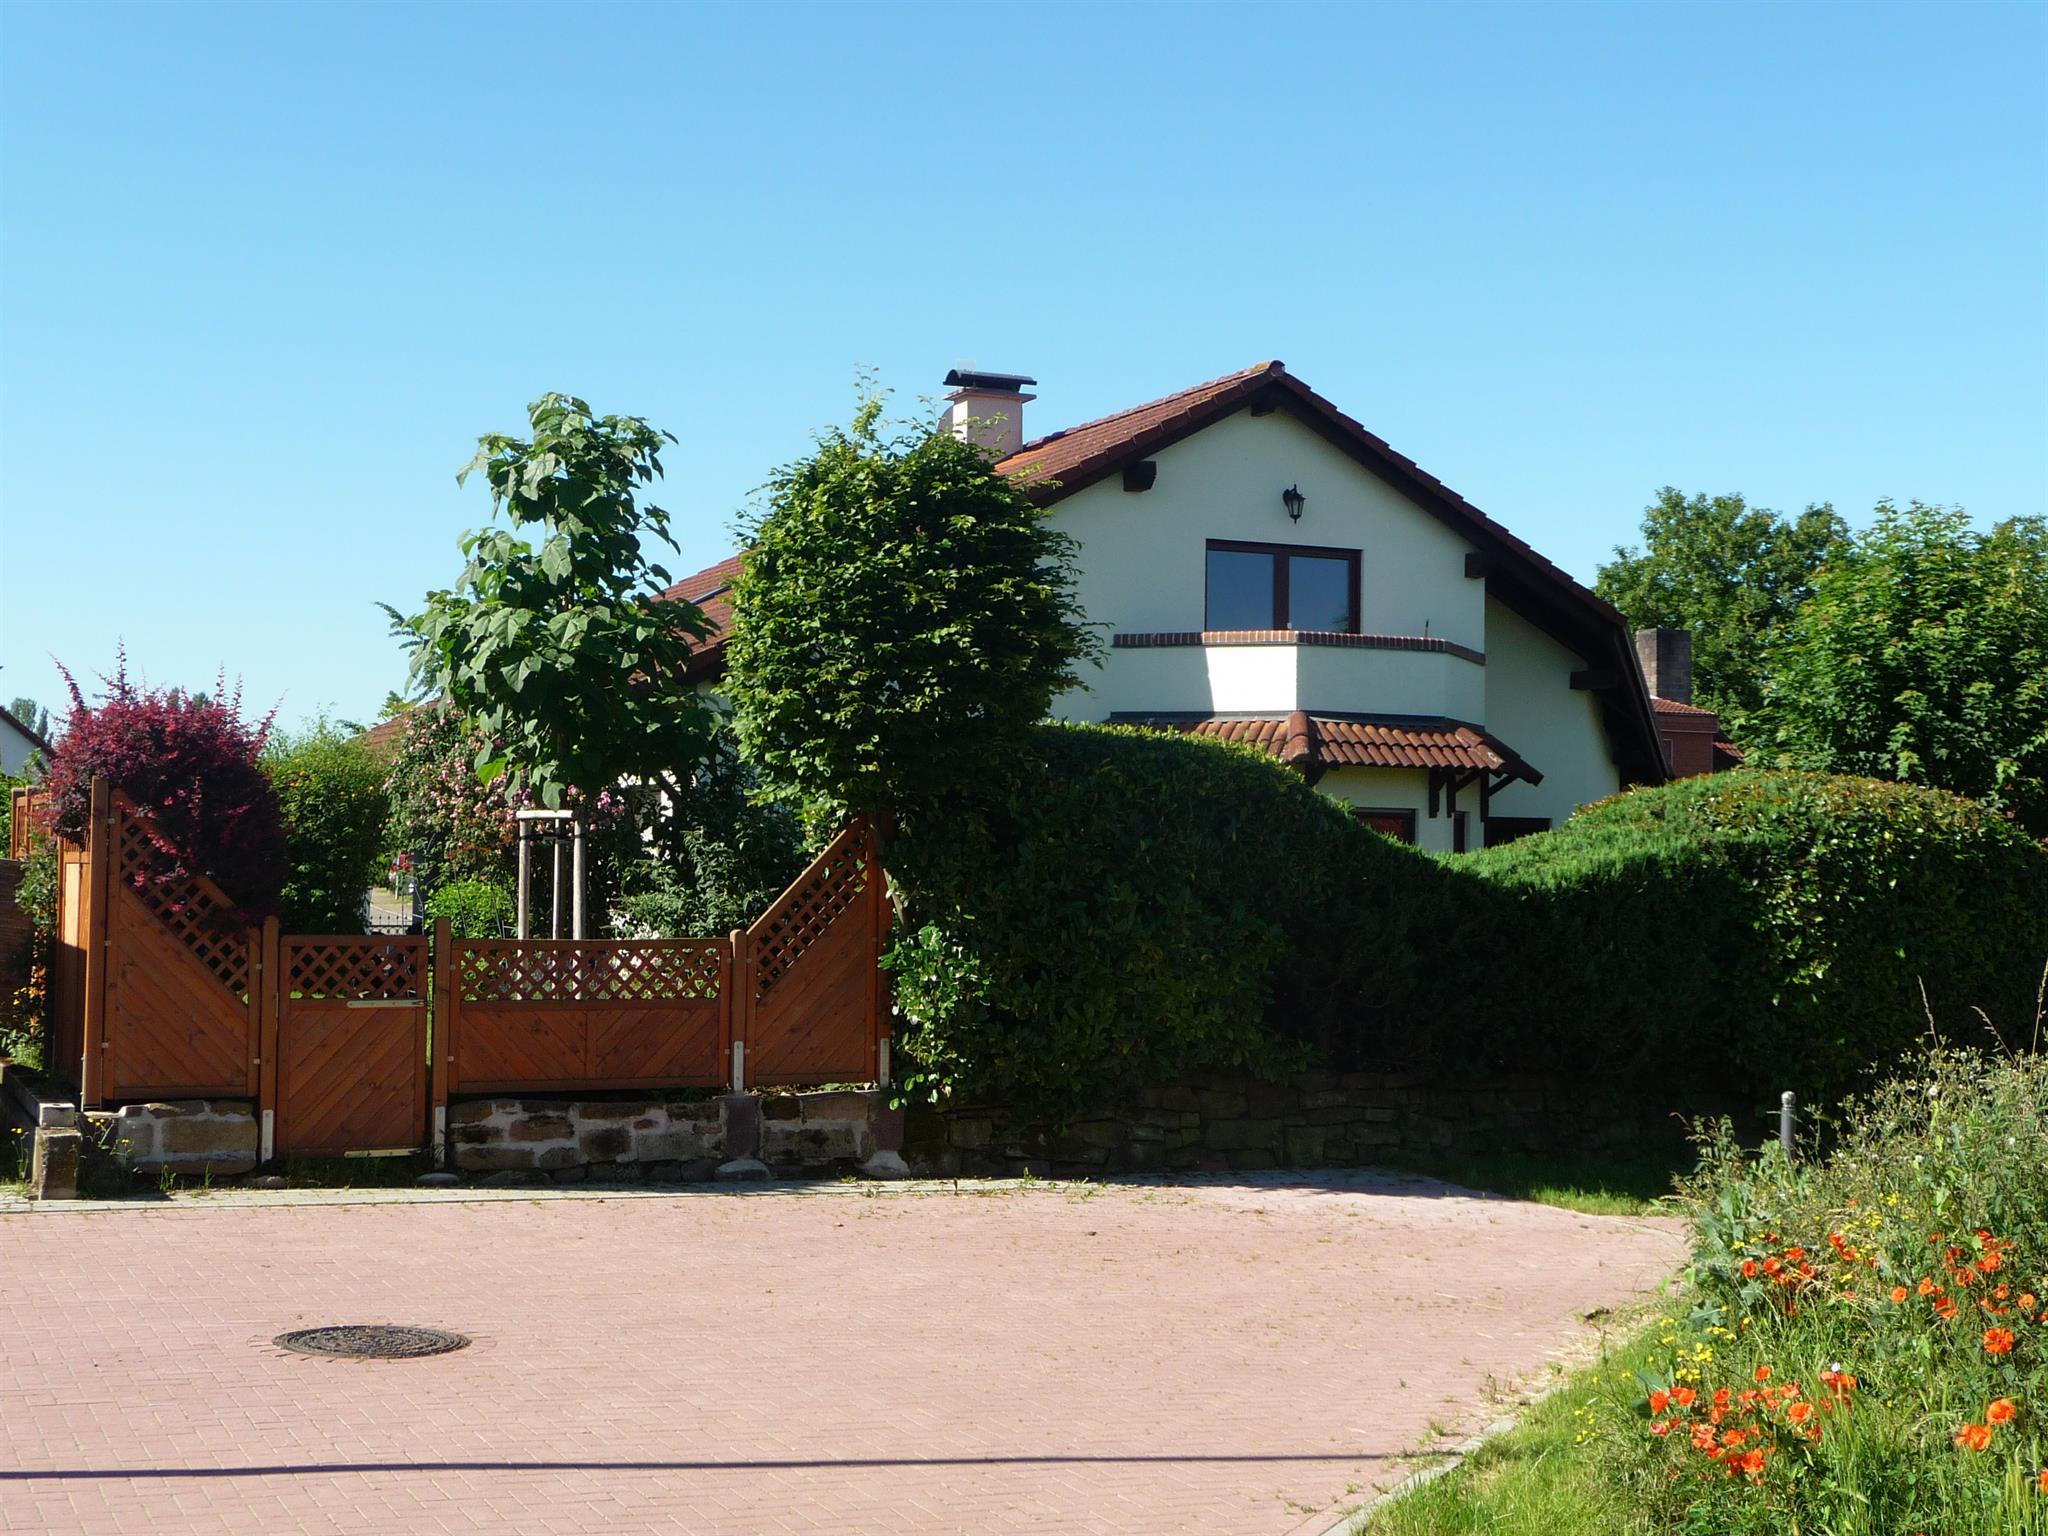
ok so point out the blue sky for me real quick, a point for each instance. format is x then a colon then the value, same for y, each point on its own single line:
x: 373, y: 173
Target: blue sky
x: 267, y: 271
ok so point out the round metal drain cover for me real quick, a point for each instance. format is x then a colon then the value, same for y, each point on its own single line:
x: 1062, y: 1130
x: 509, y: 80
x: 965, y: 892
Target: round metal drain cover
x: 372, y: 1341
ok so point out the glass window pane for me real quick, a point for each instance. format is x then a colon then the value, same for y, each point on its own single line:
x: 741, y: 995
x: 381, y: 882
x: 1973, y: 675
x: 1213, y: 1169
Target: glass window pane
x: 1240, y: 590
x: 1319, y: 593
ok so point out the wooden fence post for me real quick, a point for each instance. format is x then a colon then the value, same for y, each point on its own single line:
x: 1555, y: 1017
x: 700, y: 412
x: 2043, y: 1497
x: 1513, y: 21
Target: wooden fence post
x: 447, y: 1003
x: 270, y: 984
x: 742, y: 1006
x: 99, y: 870
x: 882, y: 1032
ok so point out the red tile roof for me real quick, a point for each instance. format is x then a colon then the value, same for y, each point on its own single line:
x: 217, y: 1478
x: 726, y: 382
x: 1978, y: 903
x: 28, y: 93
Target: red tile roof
x: 381, y: 739
x: 1681, y: 711
x: 711, y: 590
x: 1068, y: 455
x: 1334, y: 741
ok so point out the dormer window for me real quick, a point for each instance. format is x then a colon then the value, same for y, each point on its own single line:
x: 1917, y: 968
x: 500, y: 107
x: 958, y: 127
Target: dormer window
x: 1281, y: 586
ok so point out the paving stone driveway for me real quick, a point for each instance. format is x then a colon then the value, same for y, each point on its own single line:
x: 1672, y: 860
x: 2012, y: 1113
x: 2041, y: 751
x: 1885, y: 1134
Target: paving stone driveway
x: 1243, y: 1356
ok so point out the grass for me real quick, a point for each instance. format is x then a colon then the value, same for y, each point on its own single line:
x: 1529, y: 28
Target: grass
x: 1613, y: 1185
x: 1532, y: 1480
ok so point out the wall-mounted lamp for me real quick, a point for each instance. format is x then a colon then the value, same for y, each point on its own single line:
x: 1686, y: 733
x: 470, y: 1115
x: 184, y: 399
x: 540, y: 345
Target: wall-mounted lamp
x: 1294, y: 501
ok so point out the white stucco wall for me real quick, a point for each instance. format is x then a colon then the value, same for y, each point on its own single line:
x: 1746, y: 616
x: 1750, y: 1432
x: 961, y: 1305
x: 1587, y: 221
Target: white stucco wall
x: 1401, y: 789
x: 15, y: 749
x: 1143, y: 556
x: 1532, y: 706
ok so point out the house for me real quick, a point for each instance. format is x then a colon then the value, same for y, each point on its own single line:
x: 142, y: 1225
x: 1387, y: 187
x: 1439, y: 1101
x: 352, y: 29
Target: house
x: 1268, y: 571
x: 17, y: 744
x: 1692, y: 737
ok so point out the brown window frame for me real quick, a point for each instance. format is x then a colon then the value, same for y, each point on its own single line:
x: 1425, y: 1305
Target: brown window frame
x: 1351, y: 558
x: 1363, y: 814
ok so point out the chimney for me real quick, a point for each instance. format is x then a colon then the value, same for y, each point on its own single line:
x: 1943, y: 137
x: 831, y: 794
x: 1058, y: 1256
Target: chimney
x: 1666, y: 657
x: 987, y: 408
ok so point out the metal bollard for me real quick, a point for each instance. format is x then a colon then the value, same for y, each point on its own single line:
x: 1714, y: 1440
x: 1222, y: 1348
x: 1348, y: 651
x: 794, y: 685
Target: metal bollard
x: 1788, y: 1106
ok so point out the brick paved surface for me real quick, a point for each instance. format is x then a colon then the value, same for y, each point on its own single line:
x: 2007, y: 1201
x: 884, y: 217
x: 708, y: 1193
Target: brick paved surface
x: 1250, y: 1356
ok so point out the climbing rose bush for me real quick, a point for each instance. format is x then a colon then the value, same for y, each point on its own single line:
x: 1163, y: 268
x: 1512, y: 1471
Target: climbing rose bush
x: 192, y: 765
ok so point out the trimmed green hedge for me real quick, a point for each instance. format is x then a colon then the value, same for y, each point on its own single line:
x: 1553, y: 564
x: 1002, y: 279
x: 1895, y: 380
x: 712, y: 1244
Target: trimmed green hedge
x: 1139, y: 906
x: 1765, y: 929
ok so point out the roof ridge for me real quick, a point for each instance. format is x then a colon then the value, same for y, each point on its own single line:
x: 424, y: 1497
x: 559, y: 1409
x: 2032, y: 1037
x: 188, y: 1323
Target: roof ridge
x: 1270, y: 366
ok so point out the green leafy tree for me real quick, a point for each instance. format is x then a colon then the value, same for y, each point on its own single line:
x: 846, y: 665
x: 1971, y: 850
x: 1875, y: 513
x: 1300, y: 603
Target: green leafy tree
x: 1730, y: 574
x: 332, y: 793
x: 559, y: 646
x: 1923, y: 656
x: 904, y: 618
x: 32, y: 715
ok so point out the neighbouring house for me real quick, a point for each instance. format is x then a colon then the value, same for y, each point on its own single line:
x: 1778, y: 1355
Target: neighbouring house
x: 17, y: 744
x: 1268, y: 571
x: 1692, y: 738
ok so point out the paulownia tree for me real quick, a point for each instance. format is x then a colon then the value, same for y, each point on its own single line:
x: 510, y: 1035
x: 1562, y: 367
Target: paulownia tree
x: 905, y: 616
x: 555, y: 641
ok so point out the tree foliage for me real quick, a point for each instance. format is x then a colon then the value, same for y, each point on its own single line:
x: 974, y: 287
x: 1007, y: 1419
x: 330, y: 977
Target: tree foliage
x: 191, y: 764
x: 1923, y: 656
x: 331, y: 791
x: 563, y: 651
x: 715, y: 859
x: 1730, y: 574
x: 903, y: 620
x: 446, y: 823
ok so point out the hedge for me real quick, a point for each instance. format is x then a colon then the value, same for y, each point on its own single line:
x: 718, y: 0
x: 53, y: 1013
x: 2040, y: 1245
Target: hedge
x: 1141, y: 906
x: 1138, y: 906
x: 1763, y: 930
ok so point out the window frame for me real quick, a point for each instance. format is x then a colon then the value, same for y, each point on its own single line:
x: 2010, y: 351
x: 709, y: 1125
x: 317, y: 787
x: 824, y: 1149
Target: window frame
x: 1365, y: 815
x: 1282, y: 564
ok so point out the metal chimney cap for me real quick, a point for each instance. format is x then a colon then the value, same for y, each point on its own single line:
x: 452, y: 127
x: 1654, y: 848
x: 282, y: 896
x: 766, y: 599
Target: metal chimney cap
x: 1007, y: 383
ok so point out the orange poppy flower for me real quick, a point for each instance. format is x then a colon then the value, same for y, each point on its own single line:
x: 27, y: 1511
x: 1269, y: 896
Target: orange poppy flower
x: 1945, y: 1309
x: 1927, y: 1287
x: 1973, y: 1437
x: 1991, y: 1261
x: 2003, y: 1410
x: 2042, y: 1482
x: 1763, y: 1373
x: 1997, y: 1341
x: 1684, y: 1397
x: 2026, y: 1301
x: 1898, y: 1294
x: 1658, y: 1400
x: 1799, y: 1413
x: 1752, y: 1464
x: 1749, y: 1269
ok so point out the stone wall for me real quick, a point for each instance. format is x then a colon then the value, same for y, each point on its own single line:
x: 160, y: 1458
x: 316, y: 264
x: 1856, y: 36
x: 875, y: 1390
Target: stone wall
x: 1315, y: 1120
x: 647, y: 1139
x: 212, y: 1138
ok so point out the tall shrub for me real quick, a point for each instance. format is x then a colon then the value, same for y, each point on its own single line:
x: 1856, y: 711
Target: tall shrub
x: 903, y: 620
x: 191, y: 764
x: 445, y: 822
x: 331, y: 791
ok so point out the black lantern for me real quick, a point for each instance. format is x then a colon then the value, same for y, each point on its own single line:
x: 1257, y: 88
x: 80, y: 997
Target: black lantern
x: 1294, y: 502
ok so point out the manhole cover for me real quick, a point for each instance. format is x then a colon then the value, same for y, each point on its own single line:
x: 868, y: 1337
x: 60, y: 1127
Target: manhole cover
x: 372, y: 1341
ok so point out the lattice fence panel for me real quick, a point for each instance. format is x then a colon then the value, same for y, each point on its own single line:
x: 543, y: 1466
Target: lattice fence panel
x: 803, y: 917
x: 365, y: 969
x: 604, y: 971
x: 187, y: 905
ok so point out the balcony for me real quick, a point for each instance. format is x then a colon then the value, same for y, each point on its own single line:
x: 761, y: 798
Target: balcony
x: 1277, y: 671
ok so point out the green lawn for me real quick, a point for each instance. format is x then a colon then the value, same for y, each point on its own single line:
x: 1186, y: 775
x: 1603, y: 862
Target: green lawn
x: 1529, y: 1481
x: 1597, y: 1185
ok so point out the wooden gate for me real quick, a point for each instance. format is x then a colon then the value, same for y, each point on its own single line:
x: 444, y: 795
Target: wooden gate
x: 813, y: 1009
x: 350, y: 1056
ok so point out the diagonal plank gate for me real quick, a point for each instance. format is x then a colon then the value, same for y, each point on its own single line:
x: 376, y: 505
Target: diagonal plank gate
x: 352, y: 1044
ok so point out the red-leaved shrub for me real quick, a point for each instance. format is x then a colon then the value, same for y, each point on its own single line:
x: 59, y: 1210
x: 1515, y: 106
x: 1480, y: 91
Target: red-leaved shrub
x: 189, y: 762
